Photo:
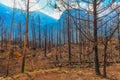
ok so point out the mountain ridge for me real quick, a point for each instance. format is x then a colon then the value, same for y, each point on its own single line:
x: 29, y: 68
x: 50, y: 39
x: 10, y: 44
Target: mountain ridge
x: 6, y: 14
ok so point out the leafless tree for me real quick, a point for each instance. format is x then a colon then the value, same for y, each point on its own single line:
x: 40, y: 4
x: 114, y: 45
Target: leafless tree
x: 10, y: 39
x: 96, y: 10
x: 26, y: 38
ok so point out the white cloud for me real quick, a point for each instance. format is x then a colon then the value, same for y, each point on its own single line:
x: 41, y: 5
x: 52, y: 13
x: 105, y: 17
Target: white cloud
x: 7, y: 2
x: 115, y: 5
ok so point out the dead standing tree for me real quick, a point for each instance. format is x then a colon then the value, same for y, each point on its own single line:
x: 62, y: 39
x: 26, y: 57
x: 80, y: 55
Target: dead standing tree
x: 96, y: 10
x: 10, y: 40
x: 45, y: 41
x: 26, y: 38
x: 28, y: 6
x: 69, y: 34
x: 118, y: 18
x: 39, y: 32
x: 1, y: 32
x: 108, y: 35
x: 33, y: 28
x: 102, y: 22
x: 97, y: 7
x: 111, y: 26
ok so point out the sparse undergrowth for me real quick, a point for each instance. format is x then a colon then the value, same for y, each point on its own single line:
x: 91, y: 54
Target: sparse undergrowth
x: 67, y: 74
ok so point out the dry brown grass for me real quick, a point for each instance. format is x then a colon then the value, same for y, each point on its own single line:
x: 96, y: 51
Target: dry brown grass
x: 37, y: 61
x: 67, y: 74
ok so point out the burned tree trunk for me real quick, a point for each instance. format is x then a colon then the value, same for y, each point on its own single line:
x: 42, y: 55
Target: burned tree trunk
x: 26, y: 39
x: 96, y: 60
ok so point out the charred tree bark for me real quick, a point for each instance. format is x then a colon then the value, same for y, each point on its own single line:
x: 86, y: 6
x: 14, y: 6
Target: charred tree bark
x: 105, y: 60
x: 26, y: 39
x: 45, y: 36
x: 10, y: 40
x: 96, y: 60
x: 39, y: 31
x: 69, y: 36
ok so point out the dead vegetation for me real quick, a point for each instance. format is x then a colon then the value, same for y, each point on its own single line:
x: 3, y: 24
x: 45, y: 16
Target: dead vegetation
x: 37, y: 65
x: 67, y: 74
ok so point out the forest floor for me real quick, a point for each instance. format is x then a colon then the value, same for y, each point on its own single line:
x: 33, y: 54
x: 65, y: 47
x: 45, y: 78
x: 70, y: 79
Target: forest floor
x: 113, y: 73
x: 40, y: 68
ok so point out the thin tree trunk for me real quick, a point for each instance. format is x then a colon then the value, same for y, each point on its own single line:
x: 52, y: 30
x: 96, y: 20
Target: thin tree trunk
x: 69, y: 36
x: 26, y: 39
x: 9, y: 44
x: 105, y: 60
x: 96, y: 60
x: 45, y: 35
x: 39, y: 31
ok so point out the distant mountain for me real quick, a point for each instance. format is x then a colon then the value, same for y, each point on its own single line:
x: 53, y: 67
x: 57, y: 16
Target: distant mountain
x: 74, y: 13
x: 20, y: 15
x: 6, y: 15
x: 82, y: 17
x: 75, y: 16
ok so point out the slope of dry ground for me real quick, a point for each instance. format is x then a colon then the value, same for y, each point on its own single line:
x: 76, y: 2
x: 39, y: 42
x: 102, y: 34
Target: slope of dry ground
x: 67, y: 74
x: 44, y: 69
